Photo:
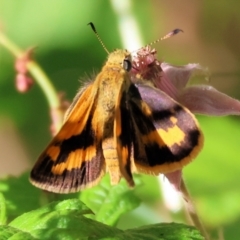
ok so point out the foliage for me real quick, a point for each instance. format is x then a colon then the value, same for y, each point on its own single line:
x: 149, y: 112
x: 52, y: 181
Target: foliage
x: 68, y: 219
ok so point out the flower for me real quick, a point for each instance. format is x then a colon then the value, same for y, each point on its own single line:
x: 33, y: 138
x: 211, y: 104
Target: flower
x: 23, y: 81
x: 174, y: 80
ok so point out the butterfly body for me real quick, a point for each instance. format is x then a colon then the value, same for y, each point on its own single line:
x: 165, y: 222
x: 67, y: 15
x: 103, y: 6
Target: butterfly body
x: 118, y: 127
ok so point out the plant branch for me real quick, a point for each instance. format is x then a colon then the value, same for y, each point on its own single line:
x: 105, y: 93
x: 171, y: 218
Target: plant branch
x: 42, y: 79
x: 191, y: 210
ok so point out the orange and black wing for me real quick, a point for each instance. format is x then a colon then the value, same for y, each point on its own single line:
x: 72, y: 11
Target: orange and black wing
x: 165, y: 135
x: 74, y: 158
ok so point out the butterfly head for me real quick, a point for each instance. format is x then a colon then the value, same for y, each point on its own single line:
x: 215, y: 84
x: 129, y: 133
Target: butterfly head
x: 121, y: 58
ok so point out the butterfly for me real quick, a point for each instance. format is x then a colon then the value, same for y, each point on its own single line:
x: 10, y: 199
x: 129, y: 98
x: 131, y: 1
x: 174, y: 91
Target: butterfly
x: 119, y: 127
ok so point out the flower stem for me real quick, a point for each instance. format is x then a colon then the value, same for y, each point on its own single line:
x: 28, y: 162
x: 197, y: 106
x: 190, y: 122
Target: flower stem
x: 191, y: 210
x: 41, y: 78
x: 3, y: 218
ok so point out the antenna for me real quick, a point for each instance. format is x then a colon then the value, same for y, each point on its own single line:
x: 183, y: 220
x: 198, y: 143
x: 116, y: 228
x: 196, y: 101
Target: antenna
x: 170, y: 34
x: 98, y: 37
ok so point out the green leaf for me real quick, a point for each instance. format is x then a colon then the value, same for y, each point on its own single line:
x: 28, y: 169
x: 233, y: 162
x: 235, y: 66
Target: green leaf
x: 62, y: 220
x: 10, y: 233
x: 20, y: 195
x: 66, y: 220
x: 165, y: 231
x: 46, y: 216
x: 110, y: 202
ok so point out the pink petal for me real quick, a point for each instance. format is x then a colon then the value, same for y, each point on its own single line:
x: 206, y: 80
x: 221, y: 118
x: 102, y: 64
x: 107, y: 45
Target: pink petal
x: 175, y: 179
x: 163, y: 83
x: 207, y: 100
x: 180, y: 75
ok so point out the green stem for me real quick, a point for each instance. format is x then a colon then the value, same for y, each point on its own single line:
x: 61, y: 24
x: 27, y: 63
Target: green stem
x: 41, y: 78
x: 3, y: 218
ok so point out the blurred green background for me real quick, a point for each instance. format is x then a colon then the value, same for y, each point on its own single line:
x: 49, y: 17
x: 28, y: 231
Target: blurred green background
x: 67, y: 50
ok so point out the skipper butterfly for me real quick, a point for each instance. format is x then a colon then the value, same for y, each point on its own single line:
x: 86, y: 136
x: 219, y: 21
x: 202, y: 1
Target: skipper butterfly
x: 120, y: 127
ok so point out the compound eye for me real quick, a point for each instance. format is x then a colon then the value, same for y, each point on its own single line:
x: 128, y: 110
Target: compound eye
x: 127, y: 65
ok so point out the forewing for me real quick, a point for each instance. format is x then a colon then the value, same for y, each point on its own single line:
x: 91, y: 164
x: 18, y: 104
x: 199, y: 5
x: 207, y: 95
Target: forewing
x: 166, y: 136
x: 74, y: 159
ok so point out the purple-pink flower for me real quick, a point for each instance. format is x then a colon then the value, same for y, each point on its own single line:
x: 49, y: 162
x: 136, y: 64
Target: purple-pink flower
x: 174, y: 80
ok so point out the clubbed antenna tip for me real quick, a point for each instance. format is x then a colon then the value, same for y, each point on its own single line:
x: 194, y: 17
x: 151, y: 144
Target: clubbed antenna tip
x: 98, y: 37
x: 170, y: 34
x: 93, y: 27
